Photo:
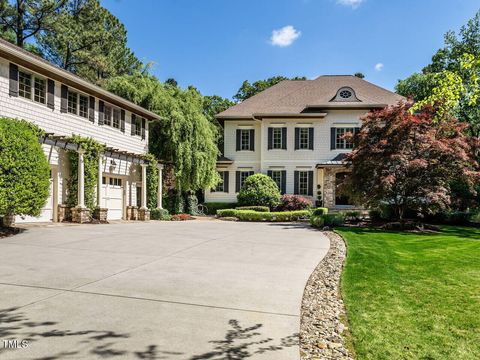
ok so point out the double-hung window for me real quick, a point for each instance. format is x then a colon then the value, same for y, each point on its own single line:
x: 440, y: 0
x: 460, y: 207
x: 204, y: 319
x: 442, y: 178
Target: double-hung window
x: 138, y: 126
x: 277, y: 177
x: 340, y: 142
x: 116, y: 118
x: 277, y: 138
x: 243, y: 176
x: 304, y: 137
x: 72, y: 102
x: 31, y: 87
x: 107, y: 117
x: 223, y: 185
x: 83, y: 106
x: 244, y: 139
x: 303, y: 183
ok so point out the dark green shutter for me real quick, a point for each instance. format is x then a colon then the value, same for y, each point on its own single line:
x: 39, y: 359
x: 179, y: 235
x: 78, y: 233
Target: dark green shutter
x: 270, y: 138
x: 283, y: 190
x: 332, y: 139
x: 143, y: 129
x: 64, y: 99
x: 237, y: 181
x: 269, y: 173
x: 226, y: 181
x: 297, y: 138
x: 101, y: 112
x: 239, y: 136
x: 252, y: 140
x: 13, y: 85
x: 133, y: 125
x: 295, y: 182
x: 310, y: 138
x: 284, y: 138
x: 91, y: 109
x: 122, y: 120
x: 51, y: 94
x: 310, y: 183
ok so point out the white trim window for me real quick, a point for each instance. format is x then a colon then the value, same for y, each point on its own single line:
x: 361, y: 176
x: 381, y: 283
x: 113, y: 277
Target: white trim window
x: 111, y: 116
x: 116, y: 118
x: 304, y: 138
x: 223, y: 185
x: 72, y: 102
x: 29, y: 85
x: 277, y: 138
x: 138, y: 126
x: 83, y: 106
x: 340, y: 142
x: 244, y: 139
x: 277, y: 177
x: 303, y: 183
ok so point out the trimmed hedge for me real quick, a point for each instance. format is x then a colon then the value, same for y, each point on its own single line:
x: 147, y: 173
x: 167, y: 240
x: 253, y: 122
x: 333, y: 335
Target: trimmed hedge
x: 259, y: 190
x: 212, y: 207
x: 332, y: 220
x: 254, y: 208
x: 249, y: 215
x: 319, y: 211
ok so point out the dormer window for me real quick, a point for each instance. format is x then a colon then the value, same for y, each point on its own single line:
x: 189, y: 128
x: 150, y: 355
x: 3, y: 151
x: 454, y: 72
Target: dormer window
x: 345, y: 94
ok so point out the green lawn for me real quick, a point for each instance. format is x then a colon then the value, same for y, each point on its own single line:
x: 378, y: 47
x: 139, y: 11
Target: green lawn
x: 413, y: 296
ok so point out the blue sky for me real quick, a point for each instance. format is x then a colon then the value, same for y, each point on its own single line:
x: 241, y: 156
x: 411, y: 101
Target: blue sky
x: 217, y: 44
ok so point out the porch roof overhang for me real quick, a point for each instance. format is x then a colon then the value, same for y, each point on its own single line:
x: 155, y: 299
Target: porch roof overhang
x: 222, y: 160
x: 62, y: 142
x: 339, y: 160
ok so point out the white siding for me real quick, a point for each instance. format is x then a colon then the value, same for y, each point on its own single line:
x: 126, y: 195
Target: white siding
x: 291, y: 160
x: 53, y: 121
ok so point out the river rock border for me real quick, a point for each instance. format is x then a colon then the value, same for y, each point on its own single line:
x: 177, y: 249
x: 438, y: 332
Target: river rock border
x: 323, y: 311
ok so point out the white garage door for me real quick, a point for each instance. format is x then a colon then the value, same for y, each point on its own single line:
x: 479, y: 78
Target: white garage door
x: 112, y: 198
x: 46, y: 214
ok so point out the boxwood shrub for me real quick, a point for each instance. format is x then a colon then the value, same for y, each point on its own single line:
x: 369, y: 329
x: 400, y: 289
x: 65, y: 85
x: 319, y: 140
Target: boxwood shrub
x: 319, y: 211
x: 317, y: 221
x: 249, y: 215
x: 254, y: 208
x: 335, y: 219
x: 212, y: 207
x: 160, y: 214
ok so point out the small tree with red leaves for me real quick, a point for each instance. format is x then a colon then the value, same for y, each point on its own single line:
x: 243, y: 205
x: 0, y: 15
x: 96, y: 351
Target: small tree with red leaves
x: 407, y: 160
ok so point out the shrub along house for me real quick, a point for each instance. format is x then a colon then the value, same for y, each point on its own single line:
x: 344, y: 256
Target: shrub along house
x: 63, y: 104
x: 293, y: 132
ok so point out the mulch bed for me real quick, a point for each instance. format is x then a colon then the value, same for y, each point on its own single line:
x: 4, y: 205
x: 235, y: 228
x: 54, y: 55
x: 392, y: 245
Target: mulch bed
x: 323, y: 313
x: 5, y: 232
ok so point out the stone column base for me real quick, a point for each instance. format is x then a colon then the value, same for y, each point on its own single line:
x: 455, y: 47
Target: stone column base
x: 80, y: 215
x: 64, y: 213
x: 100, y: 214
x: 132, y: 212
x: 143, y: 214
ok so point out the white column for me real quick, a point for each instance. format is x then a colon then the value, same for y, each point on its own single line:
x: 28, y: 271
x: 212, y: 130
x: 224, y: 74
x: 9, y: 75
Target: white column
x: 99, y: 180
x: 144, y: 186
x: 81, y: 179
x: 160, y: 187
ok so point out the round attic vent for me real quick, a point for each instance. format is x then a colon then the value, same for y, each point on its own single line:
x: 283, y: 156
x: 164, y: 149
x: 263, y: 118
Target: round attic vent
x: 345, y: 94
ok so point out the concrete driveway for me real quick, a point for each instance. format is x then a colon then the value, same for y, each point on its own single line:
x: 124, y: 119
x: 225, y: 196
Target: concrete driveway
x: 159, y: 290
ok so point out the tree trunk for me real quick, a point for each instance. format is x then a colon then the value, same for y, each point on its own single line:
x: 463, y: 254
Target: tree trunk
x: 20, y: 24
x: 8, y: 220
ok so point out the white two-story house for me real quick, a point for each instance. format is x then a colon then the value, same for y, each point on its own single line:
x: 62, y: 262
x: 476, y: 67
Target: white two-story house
x: 63, y: 104
x: 293, y: 132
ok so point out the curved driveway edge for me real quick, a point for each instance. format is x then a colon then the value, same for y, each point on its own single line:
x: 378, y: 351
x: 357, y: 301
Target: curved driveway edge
x: 166, y: 290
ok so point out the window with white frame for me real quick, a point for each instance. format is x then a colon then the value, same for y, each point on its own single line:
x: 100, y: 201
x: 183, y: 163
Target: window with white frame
x: 39, y: 91
x: 304, y: 138
x: 244, y: 139
x: 83, y: 106
x: 221, y: 186
x: 138, y: 126
x: 116, y: 118
x: 243, y: 176
x: 107, y: 115
x: 277, y: 138
x: 303, y: 183
x: 277, y: 177
x: 32, y: 87
x: 340, y: 142
x: 72, y: 102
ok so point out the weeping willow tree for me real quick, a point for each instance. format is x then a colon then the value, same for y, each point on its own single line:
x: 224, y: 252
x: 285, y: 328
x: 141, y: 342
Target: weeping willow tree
x: 183, y: 136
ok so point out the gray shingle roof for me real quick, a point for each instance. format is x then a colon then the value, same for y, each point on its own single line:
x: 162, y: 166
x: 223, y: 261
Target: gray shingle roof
x: 294, y: 96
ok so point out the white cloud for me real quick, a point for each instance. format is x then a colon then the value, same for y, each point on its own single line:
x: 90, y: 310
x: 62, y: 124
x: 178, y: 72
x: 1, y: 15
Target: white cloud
x: 285, y: 36
x: 352, y: 3
x: 379, y: 67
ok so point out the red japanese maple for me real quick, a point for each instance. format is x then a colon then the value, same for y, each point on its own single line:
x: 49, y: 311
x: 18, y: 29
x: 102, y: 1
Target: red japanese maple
x: 408, y: 160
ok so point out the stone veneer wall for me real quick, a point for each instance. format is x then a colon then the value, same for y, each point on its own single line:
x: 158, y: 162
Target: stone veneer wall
x: 329, y: 184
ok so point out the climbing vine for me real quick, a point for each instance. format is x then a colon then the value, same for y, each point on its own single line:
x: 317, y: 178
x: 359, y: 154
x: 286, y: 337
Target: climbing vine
x: 92, y: 150
x: 152, y: 181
